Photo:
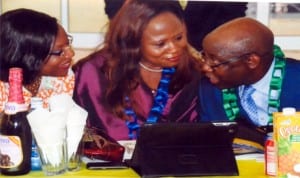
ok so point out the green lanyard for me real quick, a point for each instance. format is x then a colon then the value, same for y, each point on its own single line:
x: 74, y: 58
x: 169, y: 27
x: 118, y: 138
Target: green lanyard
x: 230, y: 97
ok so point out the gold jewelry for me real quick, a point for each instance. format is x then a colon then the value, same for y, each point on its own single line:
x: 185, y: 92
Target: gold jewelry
x: 196, y: 54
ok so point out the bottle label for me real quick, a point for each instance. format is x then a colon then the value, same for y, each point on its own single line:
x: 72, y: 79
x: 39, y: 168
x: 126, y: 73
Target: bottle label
x: 11, y: 154
x: 270, y: 157
x: 13, y: 108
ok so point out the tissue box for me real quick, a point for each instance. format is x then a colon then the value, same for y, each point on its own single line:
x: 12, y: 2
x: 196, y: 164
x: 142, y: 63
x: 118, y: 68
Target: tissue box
x: 287, y: 141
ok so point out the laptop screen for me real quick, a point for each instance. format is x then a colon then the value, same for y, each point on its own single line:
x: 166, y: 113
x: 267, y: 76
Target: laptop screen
x: 185, y: 149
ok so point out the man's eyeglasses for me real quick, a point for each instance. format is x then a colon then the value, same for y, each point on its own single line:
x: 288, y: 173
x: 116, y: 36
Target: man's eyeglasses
x: 231, y: 60
x: 62, y: 52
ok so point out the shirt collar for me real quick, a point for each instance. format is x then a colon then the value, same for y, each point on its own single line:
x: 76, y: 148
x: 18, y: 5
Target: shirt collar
x: 263, y: 84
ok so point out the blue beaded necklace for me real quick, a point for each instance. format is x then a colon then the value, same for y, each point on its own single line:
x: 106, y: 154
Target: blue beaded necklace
x: 159, y: 103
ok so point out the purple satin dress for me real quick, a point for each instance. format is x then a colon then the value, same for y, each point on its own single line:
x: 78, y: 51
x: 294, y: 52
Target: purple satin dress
x: 90, y: 83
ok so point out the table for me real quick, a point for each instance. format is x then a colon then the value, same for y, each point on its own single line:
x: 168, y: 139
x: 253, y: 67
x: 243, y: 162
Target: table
x: 247, y: 168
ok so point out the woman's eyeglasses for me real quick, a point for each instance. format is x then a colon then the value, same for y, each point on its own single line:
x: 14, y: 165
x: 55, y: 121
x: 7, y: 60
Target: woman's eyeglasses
x: 62, y: 51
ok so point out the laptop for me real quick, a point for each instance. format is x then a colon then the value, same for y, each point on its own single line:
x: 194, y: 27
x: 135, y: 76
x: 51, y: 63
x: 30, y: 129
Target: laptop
x: 185, y: 149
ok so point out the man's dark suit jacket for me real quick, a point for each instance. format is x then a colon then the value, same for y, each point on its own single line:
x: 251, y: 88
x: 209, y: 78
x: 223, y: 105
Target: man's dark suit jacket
x: 211, y: 102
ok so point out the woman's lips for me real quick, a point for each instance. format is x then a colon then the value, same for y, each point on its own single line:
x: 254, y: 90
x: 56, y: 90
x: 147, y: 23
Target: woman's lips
x: 173, y: 59
x: 66, y: 64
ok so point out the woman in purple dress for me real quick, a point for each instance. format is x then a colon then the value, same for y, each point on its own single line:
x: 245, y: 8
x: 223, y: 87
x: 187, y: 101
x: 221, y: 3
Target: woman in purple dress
x: 143, y: 74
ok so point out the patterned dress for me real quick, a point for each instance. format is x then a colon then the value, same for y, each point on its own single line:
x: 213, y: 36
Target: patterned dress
x: 49, y: 86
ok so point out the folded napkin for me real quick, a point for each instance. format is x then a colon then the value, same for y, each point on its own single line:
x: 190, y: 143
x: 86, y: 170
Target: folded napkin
x: 62, y: 123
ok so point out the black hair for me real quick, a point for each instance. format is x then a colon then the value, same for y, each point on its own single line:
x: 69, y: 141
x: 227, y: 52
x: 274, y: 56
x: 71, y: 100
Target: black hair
x: 26, y: 37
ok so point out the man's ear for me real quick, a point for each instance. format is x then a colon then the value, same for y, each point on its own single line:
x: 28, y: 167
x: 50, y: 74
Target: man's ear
x: 253, y: 61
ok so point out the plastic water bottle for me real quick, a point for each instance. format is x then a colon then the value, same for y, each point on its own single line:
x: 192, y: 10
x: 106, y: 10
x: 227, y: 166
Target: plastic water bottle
x: 36, y: 103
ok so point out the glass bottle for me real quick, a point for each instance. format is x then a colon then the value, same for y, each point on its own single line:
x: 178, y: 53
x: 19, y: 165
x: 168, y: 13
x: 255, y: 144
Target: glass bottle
x: 15, y: 132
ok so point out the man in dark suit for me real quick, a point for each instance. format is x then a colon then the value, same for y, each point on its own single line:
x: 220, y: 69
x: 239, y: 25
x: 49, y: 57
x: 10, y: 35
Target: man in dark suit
x: 240, y: 55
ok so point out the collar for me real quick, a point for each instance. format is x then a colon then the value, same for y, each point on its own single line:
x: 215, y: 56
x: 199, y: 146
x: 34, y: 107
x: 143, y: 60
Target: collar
x: 263, y: 85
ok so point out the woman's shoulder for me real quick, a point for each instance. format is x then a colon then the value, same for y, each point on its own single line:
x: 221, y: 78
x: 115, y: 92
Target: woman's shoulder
x: 95, y: 60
